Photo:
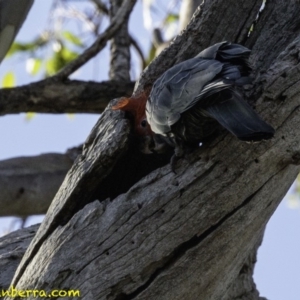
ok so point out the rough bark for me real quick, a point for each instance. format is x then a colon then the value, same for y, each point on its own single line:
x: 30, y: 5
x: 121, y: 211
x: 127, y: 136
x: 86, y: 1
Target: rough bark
x: 14, y: 245
x: 277, y: 16
x: 12, y: 249
x: 243, y: 287
x: 70, y: 96
x: 119, y: 48
x: 116, y: 230
x: 29, y: 184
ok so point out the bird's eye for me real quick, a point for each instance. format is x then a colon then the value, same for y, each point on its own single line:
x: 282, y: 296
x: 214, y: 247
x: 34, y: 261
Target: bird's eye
x: 144, y: 123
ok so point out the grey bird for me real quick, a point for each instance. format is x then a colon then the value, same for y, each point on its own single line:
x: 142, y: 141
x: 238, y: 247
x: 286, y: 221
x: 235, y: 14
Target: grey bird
x: 190, y: 100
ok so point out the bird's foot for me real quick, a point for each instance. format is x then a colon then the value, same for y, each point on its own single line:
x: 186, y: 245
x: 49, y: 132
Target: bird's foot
x: 173, y: 162
x: 178, y: 153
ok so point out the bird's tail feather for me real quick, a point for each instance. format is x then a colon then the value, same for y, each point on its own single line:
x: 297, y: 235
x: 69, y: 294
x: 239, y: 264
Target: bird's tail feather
x: 231, y: 53
x: 239, y: 118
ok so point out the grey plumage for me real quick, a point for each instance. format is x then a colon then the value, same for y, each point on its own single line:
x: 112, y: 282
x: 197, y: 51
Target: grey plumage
x: 189, y: 100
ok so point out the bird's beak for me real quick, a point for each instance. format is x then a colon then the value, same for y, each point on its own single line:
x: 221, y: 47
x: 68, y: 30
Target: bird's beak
x: 146, y: 144
x: 154, y: 144
x: 160, y: 144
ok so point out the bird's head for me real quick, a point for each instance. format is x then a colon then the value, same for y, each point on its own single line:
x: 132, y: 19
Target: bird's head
x: 136, y: 106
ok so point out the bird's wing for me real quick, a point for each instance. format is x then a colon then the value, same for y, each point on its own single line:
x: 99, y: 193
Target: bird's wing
x: 178, y: 89
x: 211, y: 52
x: 237, y: 116
x: 225, y: 51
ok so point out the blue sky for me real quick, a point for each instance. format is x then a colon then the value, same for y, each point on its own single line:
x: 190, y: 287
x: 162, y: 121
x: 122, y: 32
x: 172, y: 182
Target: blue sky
x: 277, y: 272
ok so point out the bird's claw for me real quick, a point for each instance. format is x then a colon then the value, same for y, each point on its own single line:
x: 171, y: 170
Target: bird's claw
x: 173, y: 162
x: 178, y: 153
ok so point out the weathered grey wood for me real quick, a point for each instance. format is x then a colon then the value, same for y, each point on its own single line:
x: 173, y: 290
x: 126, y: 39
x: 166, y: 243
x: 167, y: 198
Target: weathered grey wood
x: 99, y: 155
x: 29, y: 184
x: 119, y: 48
x: 243, y: 287
x: 12, y: 249
x: 278, y: 15
x: 164, y: 240
x: 166, y: 236
x: 72, y: 96
x: 14, y: 245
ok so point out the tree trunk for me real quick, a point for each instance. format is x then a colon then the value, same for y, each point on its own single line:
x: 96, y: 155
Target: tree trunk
x: 12, y: 249
x: 14, y: 245
x: 123, y: 226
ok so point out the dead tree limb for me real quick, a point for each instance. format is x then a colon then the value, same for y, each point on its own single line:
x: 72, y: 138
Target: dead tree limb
x: 11, y: 253
x: 62, y: 97
x: 12, y: 249
x: 123, y: 226
x: 12, y: 16
x: 29, y: 184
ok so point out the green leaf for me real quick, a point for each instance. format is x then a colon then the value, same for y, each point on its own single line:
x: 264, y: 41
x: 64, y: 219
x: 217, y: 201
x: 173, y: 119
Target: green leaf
x: 9, y: 80
x: 54, y: 64
x: 29, y: 116
x: 71, y: 116
x: 68, y: 55
x: 69, y: 36
x: 33, y: 65
x: 171, y: 18
x: 59, y: 59
x: 20, y: 47
x: 50, y: 67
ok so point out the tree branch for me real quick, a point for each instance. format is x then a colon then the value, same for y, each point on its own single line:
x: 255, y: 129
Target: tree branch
x: 29, y: 184
x: 130, y: 233
x: 12, y: 16
x: 158, y: 41
x: 187, y: 9
x: 100, y: 43
x: 163, y: 223
x: 101, y: 6
x: 119, y: 47
x: 12, y: 249
x: 139, y: 50
x: 62, y: 97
